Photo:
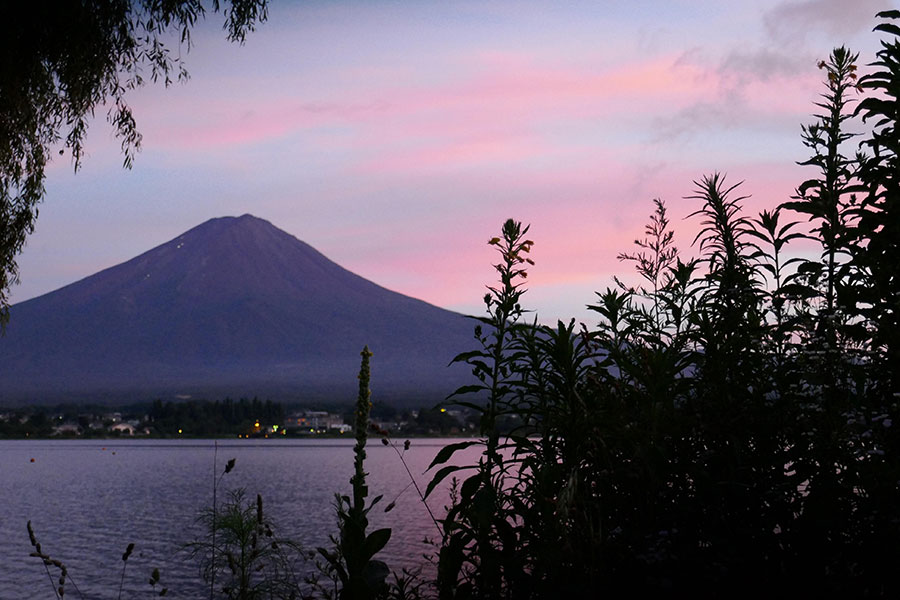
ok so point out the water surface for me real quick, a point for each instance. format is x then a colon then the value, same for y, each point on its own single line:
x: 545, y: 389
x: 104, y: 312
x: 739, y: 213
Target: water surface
x: 87, y: 499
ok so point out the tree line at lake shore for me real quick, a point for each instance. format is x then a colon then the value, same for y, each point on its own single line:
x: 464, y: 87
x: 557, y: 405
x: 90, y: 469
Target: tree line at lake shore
x: 244, y: 418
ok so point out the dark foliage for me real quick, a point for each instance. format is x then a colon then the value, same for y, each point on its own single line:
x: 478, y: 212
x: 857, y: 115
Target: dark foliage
x: 728, y: 427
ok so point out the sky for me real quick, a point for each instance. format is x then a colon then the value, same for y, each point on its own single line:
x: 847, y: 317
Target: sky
x: 397, y: 137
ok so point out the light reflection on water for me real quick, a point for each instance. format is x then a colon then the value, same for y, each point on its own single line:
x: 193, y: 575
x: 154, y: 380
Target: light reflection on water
x: 87, y: 499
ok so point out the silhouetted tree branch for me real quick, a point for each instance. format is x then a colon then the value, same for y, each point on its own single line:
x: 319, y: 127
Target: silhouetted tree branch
x: 58, y: 63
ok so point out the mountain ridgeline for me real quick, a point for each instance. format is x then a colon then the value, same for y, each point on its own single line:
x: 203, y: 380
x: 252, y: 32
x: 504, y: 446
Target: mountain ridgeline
x: 233, y: 307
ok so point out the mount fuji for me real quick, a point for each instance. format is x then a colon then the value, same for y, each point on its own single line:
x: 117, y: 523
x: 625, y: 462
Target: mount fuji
x: 233, y: 307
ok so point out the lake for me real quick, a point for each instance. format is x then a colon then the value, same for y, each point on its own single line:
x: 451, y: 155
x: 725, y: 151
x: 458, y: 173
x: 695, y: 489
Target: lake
x: 87, y: 499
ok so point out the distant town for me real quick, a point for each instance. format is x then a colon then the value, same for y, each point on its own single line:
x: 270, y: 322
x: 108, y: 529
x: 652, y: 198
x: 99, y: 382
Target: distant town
x: 241, y: 419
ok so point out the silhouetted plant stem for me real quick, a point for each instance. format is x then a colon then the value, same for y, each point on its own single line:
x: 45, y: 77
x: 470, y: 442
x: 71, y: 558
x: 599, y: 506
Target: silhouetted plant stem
x: 59, y: 585
x: 412, y: 481
x: 657, y: 255
x: 477, y: 529
x: 217, y: 479
x: 125, y: 557
x: 363, y: 406
x: 361, y: 576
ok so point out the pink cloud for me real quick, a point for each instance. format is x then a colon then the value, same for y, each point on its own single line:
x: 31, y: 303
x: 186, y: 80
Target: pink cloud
x: 490, y: 97
x: 227, y: 124
x: 455, y: 154
x: 537, y: 91
x: 580, y: 221
x: 507, y: 110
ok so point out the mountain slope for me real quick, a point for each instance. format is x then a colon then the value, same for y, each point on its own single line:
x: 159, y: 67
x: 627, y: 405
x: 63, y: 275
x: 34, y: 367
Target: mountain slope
x: 234, y: 307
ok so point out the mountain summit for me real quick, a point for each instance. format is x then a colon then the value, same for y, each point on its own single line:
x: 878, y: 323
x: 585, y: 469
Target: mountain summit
x: 235, y: 307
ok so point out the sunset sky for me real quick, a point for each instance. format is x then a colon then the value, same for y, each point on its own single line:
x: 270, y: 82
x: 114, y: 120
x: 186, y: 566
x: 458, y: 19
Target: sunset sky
x: 395, y: 137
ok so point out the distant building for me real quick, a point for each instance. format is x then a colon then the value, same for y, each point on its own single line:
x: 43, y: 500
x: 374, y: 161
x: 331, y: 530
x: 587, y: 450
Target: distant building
x: 123, y: 428
x: 67, y: 428
x: 316, y: 421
